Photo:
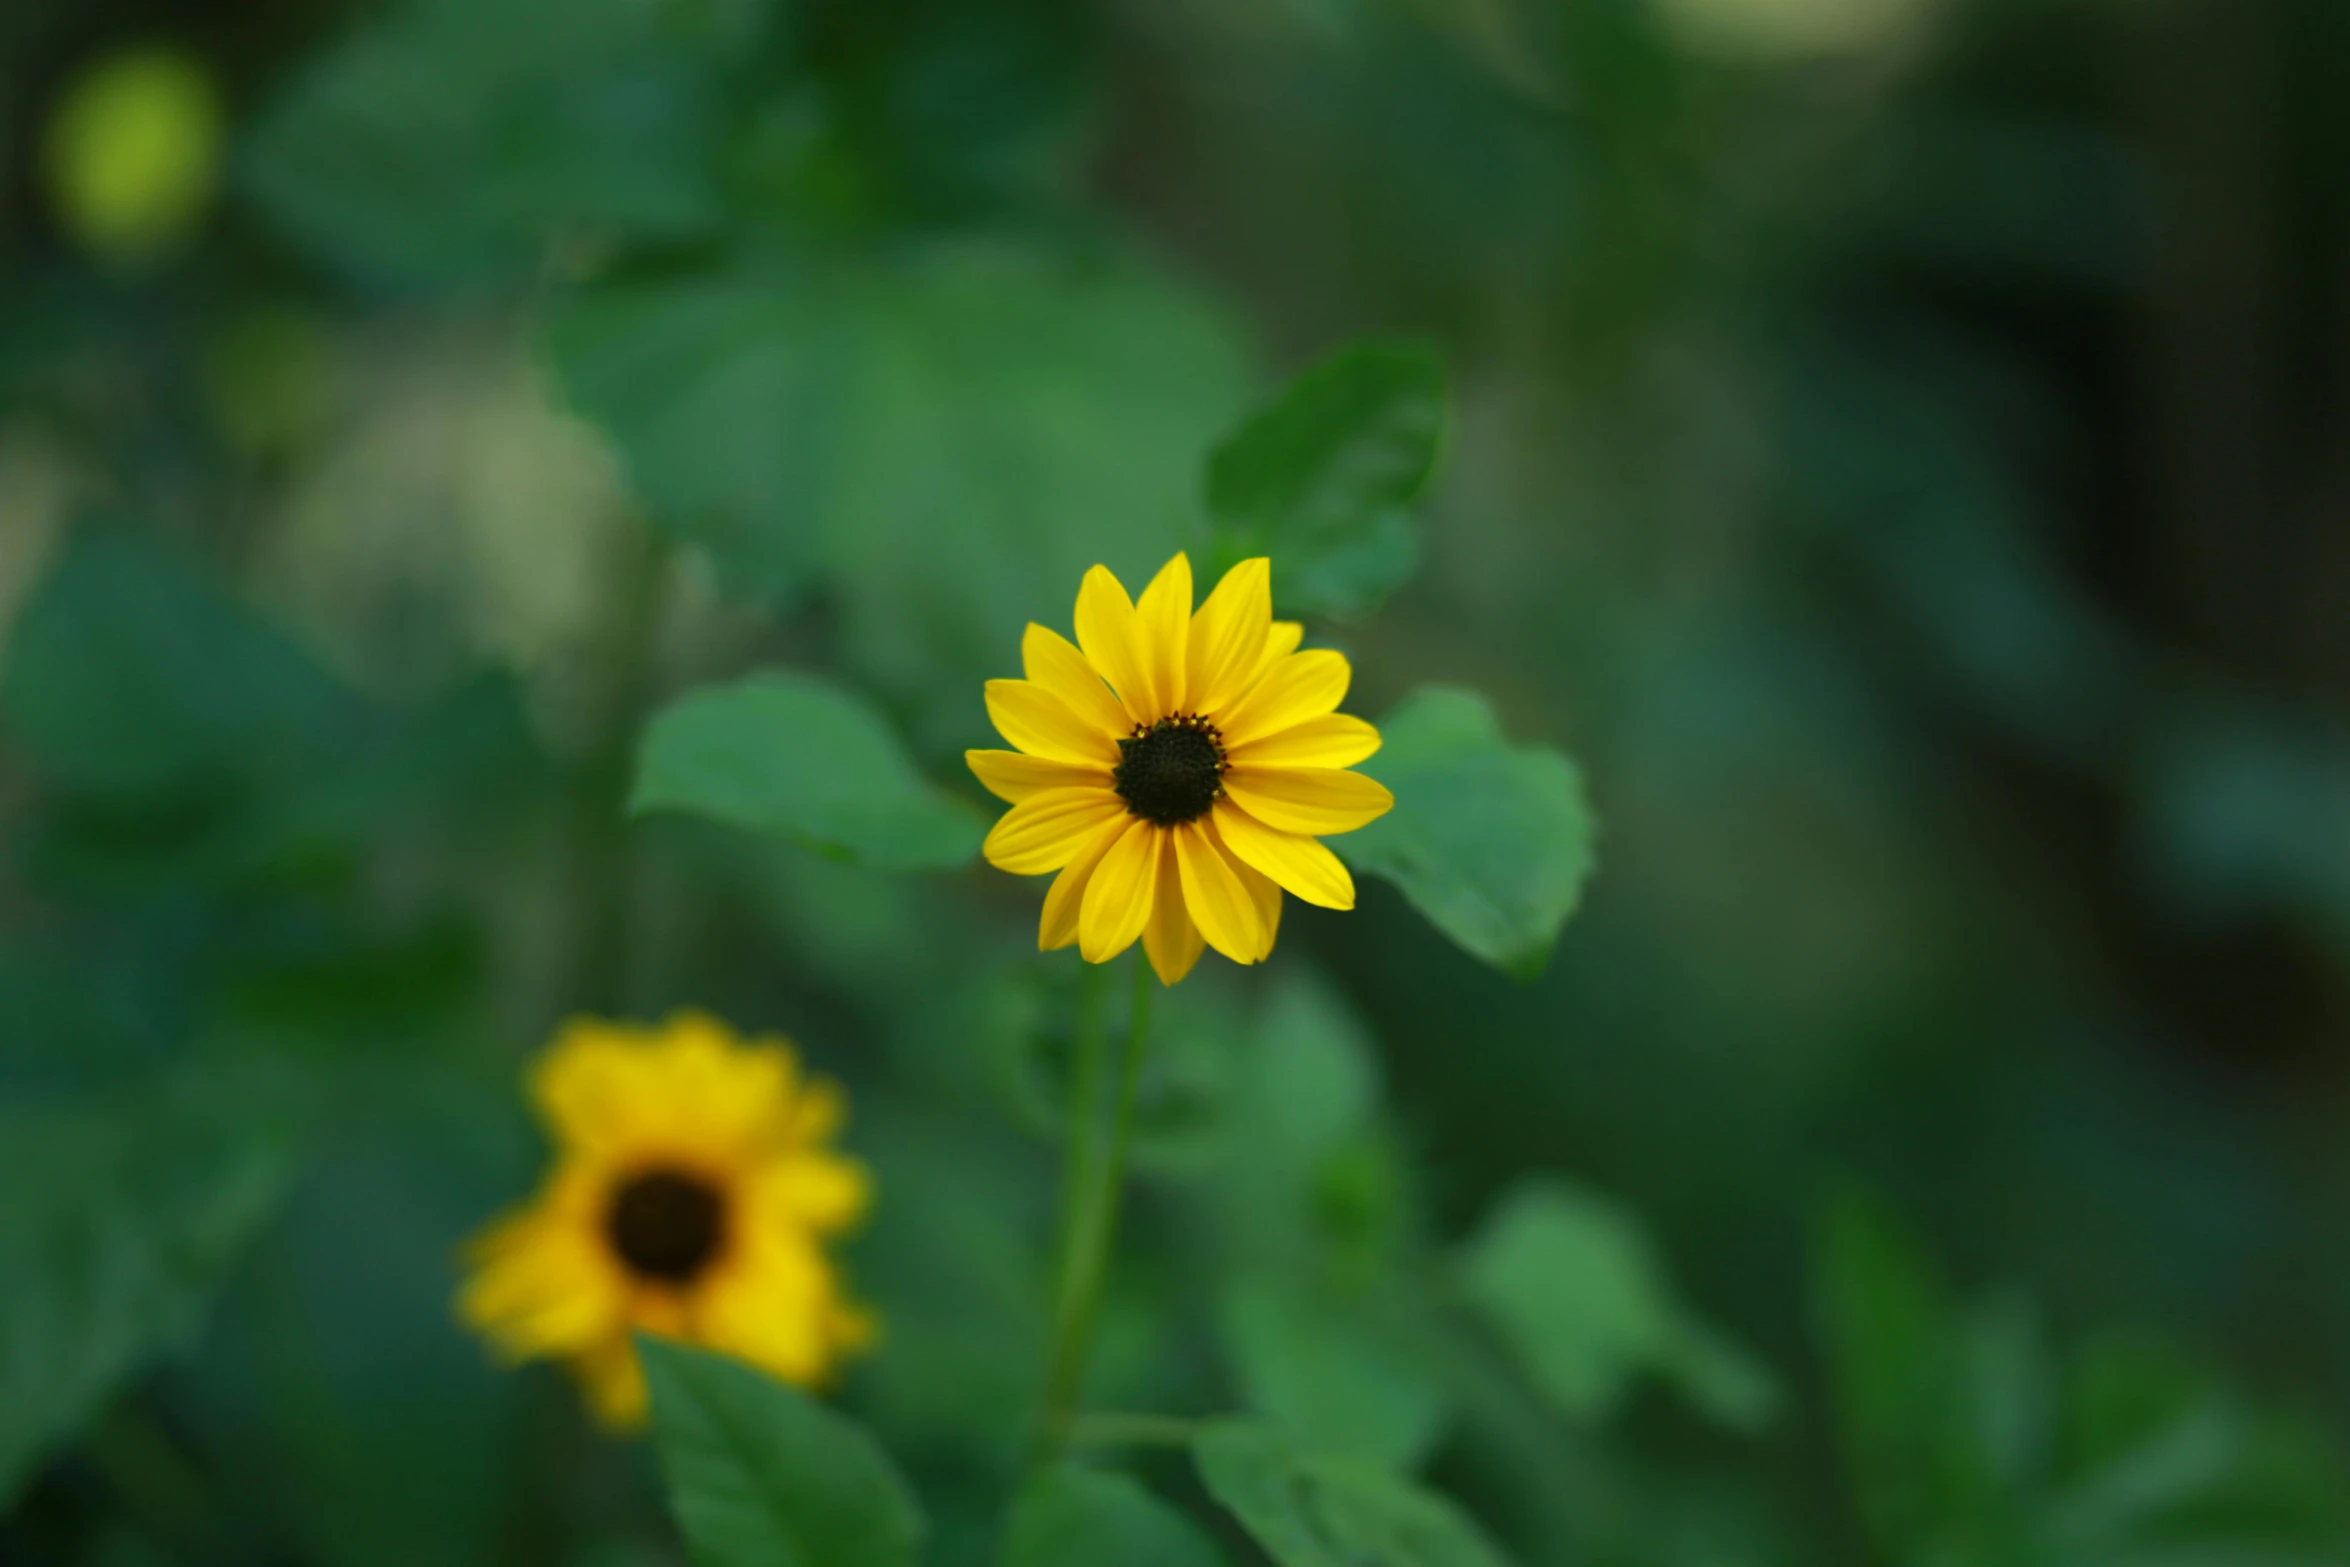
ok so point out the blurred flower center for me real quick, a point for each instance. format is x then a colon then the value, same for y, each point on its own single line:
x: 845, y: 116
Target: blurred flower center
x: 1172, y: 771
x: 666, y: 1225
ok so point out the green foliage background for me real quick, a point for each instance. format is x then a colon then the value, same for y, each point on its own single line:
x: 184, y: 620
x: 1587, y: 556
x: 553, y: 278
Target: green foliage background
x: 528, y: 536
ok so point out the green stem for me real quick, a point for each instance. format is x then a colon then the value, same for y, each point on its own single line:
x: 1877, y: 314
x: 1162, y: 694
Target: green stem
x: 1090, y: 1219
x: 1079, y: 1150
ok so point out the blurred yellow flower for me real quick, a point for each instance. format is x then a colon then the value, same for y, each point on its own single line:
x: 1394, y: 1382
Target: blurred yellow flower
x: 692, y: 1192
x: 1177, y: 769
x: 133, y: 154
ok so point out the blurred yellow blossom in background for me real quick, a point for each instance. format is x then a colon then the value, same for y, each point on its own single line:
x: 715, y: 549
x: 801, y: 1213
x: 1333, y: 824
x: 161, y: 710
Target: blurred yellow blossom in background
x: 133, y: 154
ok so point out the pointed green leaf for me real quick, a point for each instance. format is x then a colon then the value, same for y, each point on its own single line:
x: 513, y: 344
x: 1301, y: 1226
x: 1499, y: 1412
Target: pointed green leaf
x: 762, y: 1475
x: 941, y: 446
x: 1572, y: 1284
x: 1893, y: 1338
x: 1491, y: 841
x: 1073, y: 1517
x: 117, y: 1224
x: 1327, y: 1380
x: 1313, y: 1510
x: 455, y: 141
x: 1321, y: 480
x: 2161, y: 1450
x: 1305, y: 1094
x: 797, y: 756
x: 133, y: 676
x: 716, y: 394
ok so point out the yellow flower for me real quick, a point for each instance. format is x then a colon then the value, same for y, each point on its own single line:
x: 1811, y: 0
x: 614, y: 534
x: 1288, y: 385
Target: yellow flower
x: 1178, y: 772
x: 692, y: 1191
x: 134, y: 153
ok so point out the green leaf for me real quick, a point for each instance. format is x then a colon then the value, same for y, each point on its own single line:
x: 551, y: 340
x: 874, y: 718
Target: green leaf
x: 133, y: 677
x: 797, y: 756
x: 117, y: 1224
x: 2010, y: 1393
x: 458, y: 139
x: 1073, y: 1517
x: 1570, y: 1281
x: 1311, y: 1510
x: 1492, y: 842
x: 1720, y: 1378
x: 942, y: 446
x: 1311, y: 1078
x: 2123, y: 1392
x: 345, y: 1307
x: 1327, y: 1380
x: 1961, y: 1445
x: 722, y: 395
x: 761, y: 1475
x: 2159, y: 1453
x: 1321, y: 479
x: 1307, y: 1181
x: 955, y: 1271
x: 1893, y: 1340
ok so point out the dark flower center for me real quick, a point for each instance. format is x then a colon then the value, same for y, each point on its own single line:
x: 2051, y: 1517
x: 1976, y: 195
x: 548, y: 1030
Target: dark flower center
x: 1172, y: 771
x: 666, y: 1225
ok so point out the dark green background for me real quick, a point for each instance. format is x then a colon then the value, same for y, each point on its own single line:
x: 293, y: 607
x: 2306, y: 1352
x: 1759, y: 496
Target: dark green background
x: 1909, y: 477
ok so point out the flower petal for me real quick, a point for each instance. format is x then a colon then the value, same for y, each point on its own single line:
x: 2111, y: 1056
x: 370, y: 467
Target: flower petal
x: 1267, y: 893
x: 1045, y: 831
x: 1163, y: 623
x: 1119, y: 897
x: 818, y: 1112
x: 1041, y: 724
x: 1058, y: 927
x: 1314, y: 800
x: 1106, y: 629
x: 1263, y: 890
x: 1301, y: 686
x: 1171, y: 940
x: 1333, y: 740
x: 772, y: 1308
x: 816, y: 1190
x: 721, y: 1091
x: 1012, y: 776
x: 1053, y: 662
x: 588, y: 1080
x: 541, y: 1286
x: 614, y: 1381
x: 1300, y: 864
x: 1219, y: 904
x: 1280, y: 642
x: 1228, y: 636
